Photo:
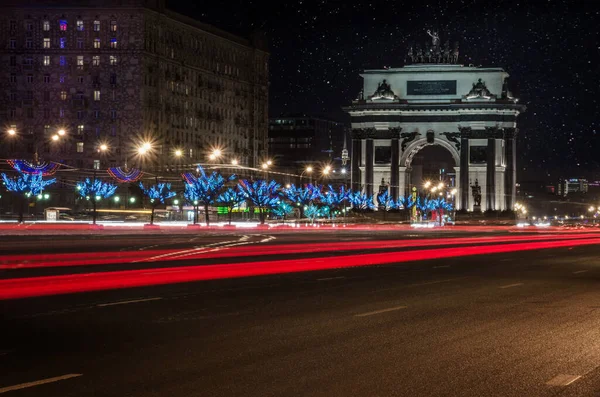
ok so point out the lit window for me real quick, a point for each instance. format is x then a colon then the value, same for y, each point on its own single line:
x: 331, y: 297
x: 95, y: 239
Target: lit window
x: 46, y: 60
x: 46, y: 26
x: 63, y: 25
x: 80, y: 43
x: 96, y: 43
x: 96, y: 60
x: 79, y: 147
x: 46, y: 129
x: 61, y: 78
x: 63, y: 60
x: 113, y: 43
x: 63, y: 95
x: 96, y: 26
x: 96, y: 164
x: 80, y: 25
x: 113, y: 60
x: 46, y: 42
x: 80, y: 129
x: 61, y: 113
x: 63, y: 42
x: 96, y: 95
x: 79, y: 61
x: 113, y: 26
x: 113, y: 114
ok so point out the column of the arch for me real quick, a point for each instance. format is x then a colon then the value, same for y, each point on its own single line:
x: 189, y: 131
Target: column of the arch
x: 355, y: 163
x: 490, y: 188
x: 464, y: 173
x: 395, y: 172
x: 510, y: 171
x: 369, y: 167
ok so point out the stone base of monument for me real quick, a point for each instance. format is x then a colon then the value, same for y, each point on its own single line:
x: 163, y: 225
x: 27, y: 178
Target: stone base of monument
x: 477, y: 209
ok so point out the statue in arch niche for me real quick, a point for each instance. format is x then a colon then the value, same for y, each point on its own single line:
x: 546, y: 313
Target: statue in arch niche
x: 476, y: 192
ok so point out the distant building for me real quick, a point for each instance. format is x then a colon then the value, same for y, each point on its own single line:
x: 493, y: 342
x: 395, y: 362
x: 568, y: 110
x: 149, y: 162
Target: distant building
x: 570, y: 186
x: 299, y: 140
x: 121, y: 72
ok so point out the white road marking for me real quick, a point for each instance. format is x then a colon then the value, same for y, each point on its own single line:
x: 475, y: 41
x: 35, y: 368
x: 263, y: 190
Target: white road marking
x: 511, y: 285
x: 580, y: 271
x: 390, y: 309
x: 330, y: 278
x: 441, y: 267
x: 436, y: 282
x: 38, y: 382
x: 563, y: 380
x: 126, y: 302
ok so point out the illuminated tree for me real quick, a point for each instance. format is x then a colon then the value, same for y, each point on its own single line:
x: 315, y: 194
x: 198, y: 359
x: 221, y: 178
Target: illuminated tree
x: 283, y: 209
x: 231, y: 198
x: 158, y: 194
x: 262, y: 194
x: 440, y: 205
x: 361, y: 202
x: 204, y: 190
x: 24, y: 186
x: 95, y: 190
x: 302, y: 196
x: 334, y: 199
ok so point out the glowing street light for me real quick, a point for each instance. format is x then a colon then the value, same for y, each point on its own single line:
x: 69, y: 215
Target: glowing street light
x: 234, y: 162
x: 440, y: 185
x: 61, y: 132
x: 343, y: 170
x: 117, y: 199
x: 132, y: 200
x: 55, y: 137
x: 178, y: 152
x: 592, y: 209
x: 453, y: 192
x: 265, y: 166
x: 103, y: 147
x: 427, y: 184
x: 11, y: 132
x: 269, y: 162
x: 144, y: 148
x: 308, y: 169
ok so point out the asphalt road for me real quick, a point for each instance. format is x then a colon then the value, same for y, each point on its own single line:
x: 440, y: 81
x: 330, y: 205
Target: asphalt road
x: 514, y: 324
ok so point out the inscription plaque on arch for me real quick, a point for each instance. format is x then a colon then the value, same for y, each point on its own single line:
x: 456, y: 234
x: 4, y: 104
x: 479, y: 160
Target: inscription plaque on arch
x: 431, y: 87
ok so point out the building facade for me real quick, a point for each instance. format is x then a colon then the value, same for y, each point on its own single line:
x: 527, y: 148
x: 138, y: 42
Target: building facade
x: 297, y: 141
x: 571, y: 186
x: 436, y: 101
x: 87, y: 84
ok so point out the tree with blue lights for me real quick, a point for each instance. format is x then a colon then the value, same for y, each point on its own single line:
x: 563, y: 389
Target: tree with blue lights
x: 24, y: 186
x: 440, y: 205
x: 283, y: 209
x: 302, y: 196
x: 361, y: 202
x: 158, y: 194
x: 231, y: 198
x: 334, y: 199
x: 204, y: 190
x: 95, y: 190
x: 261, y: 194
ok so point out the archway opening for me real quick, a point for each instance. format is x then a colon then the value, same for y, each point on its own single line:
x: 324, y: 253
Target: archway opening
x: 432, y: 163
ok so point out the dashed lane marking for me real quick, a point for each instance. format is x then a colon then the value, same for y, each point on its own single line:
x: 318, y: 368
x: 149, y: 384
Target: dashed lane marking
x: 126, y: 302
x: 441, y: 267
x: 38, y: 382
x: 563, y: 380
x: 511, y: 285
x: 330, y: 278
x: 580, y: 271
x: 389, y: 309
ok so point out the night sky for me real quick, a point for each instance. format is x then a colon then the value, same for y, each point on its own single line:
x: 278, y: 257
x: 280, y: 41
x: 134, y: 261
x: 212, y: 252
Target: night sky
x: 551, y: 51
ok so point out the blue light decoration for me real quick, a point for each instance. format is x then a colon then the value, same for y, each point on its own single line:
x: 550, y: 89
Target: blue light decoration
x: 405, y: 202
x: 440, y: 205
x: 26, y: 185
x: 361, y: 202
x: 95, y: 188
x: 303, y: 196
x: 261, y: 194
x: 204, y: 190
x: 158, y: 193
x: 188, y: 177
x: 283, y: 209
x: 334, y: 199
x: 124, y: 176
x: 25, y: 167
x: 231, y: 198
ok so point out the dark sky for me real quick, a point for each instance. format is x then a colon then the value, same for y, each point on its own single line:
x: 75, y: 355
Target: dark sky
x: 551, y: 49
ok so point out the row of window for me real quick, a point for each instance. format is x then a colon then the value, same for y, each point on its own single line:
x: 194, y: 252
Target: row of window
x: 62, y: 79
x: 113, y: 60
x: 63, y: 25
x: 62, y: 43
x: 81, y: 114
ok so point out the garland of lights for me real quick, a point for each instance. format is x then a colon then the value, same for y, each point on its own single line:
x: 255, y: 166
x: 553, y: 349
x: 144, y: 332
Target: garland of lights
x: 26, y: 167
x: 189, y: 177
x: 132, y: 175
